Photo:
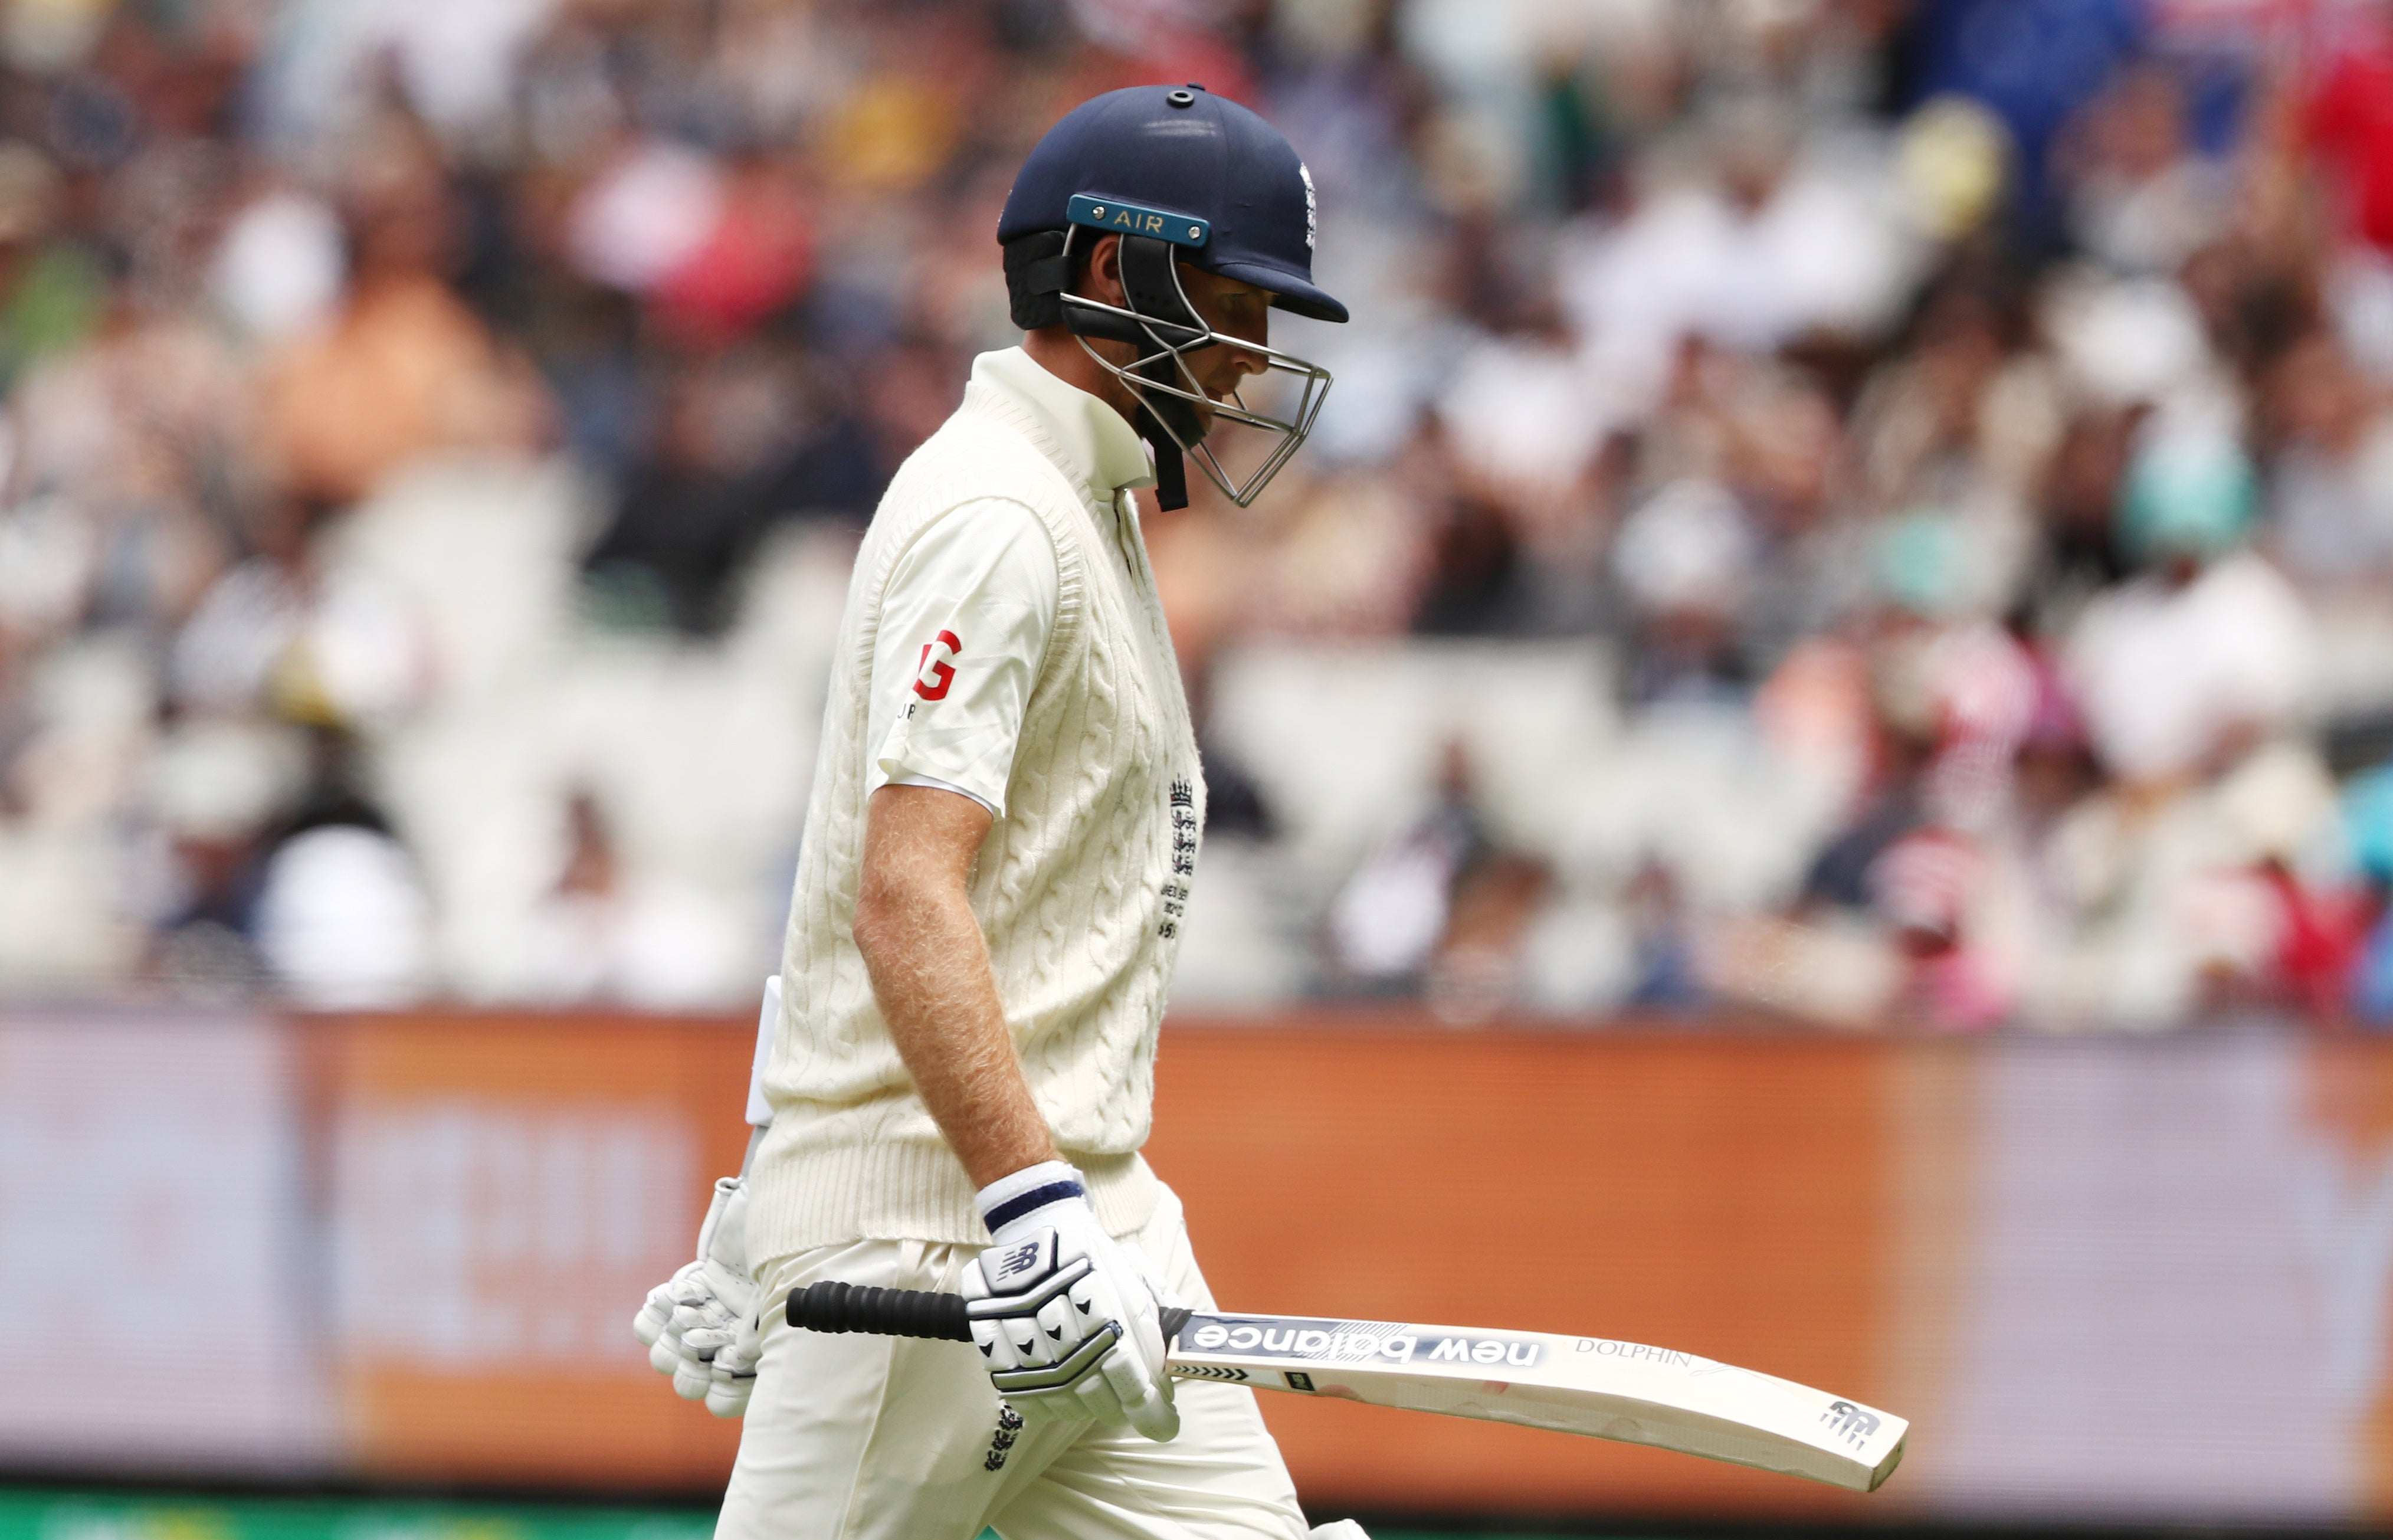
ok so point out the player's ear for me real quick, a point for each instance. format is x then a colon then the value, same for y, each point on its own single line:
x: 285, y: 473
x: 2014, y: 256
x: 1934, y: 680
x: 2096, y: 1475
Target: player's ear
x: 1102, y: 280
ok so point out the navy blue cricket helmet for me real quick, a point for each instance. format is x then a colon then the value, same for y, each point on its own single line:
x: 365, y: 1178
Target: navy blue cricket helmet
x: 1181, y: 175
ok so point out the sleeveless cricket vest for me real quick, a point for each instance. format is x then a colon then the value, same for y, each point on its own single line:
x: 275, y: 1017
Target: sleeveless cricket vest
x: 1079, y: 888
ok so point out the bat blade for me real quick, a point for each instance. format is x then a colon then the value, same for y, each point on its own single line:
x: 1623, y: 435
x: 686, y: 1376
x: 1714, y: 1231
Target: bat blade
x: 1591, y: 1384
x: 1624, y: 1391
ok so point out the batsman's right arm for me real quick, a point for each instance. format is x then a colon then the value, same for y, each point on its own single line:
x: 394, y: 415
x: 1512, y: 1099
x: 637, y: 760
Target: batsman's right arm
x: 929, y: 964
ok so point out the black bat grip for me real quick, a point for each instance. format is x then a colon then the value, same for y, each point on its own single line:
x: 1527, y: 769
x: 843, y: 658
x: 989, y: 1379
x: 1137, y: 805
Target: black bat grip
x: 836, y: 1307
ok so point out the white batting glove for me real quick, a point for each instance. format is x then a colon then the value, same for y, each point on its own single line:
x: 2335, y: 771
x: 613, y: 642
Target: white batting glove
x: 732, y: 1371
x: 1064, y: 1314
x: 707, y: 1310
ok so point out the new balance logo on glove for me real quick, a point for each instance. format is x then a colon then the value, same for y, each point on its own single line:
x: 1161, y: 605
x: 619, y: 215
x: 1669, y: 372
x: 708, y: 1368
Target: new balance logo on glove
x: 1019, y: 1262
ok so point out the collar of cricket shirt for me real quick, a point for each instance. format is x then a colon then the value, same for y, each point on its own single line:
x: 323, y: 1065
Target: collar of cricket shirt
x: 1099, y: 446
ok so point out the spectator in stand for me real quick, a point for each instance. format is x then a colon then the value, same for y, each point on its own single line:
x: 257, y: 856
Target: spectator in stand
x: 404, y: 367
x: 2189, y: 673
x: 2368, y: 817
x: 2208, y: 650
x: 2141, y: 199
x: 341, y: 920
x: 2331, y: 485
x: 2349, y: 126
x: 604, y: 934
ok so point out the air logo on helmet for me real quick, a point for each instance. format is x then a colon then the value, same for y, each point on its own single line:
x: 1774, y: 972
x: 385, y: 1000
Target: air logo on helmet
x: 1105, y: 214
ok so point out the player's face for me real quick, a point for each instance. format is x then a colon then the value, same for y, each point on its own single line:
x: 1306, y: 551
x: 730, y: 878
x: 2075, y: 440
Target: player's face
x: 1233, y: 310
x: 1229, y: 308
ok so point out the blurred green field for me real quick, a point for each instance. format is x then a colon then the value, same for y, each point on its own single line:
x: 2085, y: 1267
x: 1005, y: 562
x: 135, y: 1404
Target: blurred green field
x: 64, y: 1513
x: 71, y: 1514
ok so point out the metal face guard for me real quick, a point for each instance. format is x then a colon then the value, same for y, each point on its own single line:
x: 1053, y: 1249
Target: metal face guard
x: 1160, y: 380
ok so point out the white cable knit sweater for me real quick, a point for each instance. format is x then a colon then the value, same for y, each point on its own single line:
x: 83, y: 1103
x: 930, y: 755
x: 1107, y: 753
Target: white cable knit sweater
x: 1078, y: 887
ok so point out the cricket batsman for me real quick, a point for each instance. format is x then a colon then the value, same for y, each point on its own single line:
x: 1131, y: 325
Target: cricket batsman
x: 955, y: 1073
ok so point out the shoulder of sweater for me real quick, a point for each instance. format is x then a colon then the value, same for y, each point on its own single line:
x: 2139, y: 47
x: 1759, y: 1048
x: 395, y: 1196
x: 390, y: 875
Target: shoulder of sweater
x: 991, y: 447
x: 992, y: 544
x: 974, y: 460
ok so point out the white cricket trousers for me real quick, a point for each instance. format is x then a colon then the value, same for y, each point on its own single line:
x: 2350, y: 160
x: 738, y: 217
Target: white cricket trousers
x: 851, y: 1437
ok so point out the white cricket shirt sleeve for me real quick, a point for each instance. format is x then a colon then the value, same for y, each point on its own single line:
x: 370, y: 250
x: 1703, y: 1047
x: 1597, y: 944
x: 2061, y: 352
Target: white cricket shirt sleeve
x: 964, y: 624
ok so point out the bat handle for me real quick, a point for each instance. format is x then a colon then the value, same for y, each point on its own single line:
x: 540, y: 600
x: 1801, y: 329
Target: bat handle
x: 831, y: 1306
x: 838, y: 1307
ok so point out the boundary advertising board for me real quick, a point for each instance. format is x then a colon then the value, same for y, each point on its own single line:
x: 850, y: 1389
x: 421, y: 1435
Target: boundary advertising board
x: 2137, y: 1281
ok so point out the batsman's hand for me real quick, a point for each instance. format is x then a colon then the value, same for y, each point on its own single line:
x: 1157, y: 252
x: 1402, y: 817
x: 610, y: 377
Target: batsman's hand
x: 700, y: 1326
x: 1064, y: 1314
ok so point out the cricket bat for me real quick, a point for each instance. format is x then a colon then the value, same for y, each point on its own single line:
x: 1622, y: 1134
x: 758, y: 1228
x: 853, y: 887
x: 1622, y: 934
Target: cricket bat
x: 1591, y: 1384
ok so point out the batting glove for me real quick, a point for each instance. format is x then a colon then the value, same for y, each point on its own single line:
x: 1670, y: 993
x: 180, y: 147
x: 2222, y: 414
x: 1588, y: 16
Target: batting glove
x: 732, y: 1370
x: 708, y: 1311
x: 1064, y: 1314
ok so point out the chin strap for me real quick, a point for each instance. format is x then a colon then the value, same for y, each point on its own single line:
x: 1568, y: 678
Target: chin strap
x: 1171, y: 467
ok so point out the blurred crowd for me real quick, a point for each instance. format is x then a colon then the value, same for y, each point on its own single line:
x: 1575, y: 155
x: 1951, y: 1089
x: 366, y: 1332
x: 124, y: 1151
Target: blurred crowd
x: 1871, y: 512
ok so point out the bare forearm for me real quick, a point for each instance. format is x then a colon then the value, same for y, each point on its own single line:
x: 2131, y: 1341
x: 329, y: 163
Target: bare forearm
x: 930, y: 971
